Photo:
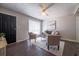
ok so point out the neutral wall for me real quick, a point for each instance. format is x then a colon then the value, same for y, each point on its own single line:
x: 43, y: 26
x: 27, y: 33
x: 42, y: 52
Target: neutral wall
x: 21, y: 24
x: 77, y: 27
x: 66, y: 25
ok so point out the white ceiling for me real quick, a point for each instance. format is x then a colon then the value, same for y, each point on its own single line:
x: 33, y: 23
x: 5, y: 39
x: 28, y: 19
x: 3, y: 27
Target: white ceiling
x: 34, y: 10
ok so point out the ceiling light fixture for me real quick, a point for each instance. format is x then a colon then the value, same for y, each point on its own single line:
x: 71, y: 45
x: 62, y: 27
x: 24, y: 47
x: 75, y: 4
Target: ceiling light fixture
x: 44, y: 13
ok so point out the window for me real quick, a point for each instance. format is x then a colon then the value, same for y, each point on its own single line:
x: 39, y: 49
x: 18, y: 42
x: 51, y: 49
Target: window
x: 34, y: 26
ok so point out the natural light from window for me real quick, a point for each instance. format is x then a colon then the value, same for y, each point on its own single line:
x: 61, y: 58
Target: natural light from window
x: 34, y: 26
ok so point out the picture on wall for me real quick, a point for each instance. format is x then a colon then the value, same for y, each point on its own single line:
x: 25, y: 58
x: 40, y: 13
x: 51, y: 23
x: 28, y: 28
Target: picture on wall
x: 52, y: 25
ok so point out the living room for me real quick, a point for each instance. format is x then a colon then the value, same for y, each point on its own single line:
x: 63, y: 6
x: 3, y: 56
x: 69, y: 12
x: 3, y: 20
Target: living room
x: 43, y: 20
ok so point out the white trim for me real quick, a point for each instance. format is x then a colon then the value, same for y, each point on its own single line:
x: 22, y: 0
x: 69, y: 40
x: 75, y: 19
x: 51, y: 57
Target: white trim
x: 21, y: 40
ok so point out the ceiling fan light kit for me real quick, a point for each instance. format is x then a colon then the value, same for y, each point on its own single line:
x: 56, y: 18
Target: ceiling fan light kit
x: 43, y: 13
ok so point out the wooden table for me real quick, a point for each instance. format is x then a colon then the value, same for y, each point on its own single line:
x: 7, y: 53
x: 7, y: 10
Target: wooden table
x: 3, y: 45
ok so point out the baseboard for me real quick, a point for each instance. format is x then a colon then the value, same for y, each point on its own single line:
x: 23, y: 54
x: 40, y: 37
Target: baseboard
x: 16, y: 42
x: 21, y: 40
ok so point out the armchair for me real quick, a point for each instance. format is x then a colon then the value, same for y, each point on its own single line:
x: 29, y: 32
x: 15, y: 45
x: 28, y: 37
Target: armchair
x: 53, y: 40
x: 32, y: 36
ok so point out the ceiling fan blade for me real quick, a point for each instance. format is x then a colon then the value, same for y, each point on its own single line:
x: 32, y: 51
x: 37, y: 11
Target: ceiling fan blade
x: 48, y: 7
x: 46, y: 13
x: 43, y: 6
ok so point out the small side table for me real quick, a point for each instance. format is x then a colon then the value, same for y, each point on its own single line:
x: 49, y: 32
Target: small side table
x: 3, y: 45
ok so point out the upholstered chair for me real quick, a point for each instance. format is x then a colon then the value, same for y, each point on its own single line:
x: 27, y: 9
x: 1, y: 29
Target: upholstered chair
x: 32, y: 36
x: 53, y: 40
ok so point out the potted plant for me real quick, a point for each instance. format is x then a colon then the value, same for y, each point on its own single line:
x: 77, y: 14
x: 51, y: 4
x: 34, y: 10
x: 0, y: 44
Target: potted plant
x: 2, y: 35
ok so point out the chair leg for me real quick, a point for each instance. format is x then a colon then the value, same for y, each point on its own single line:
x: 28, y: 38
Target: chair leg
x: 48, y: 47
x: 35, y: 40
x: 46, y: 44
x: 58, y: 47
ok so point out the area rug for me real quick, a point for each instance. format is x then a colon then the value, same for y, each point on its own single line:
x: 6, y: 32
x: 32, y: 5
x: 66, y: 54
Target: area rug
x: 41, y: 42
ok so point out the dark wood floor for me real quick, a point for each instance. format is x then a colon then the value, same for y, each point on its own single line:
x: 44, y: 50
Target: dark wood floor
x: 26, y: 49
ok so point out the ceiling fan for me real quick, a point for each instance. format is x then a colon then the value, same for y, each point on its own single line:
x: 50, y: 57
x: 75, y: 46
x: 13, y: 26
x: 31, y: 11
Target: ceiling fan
x: 44, y: 7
